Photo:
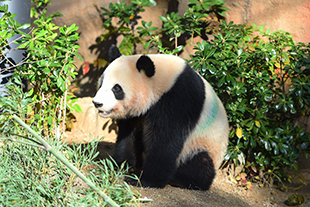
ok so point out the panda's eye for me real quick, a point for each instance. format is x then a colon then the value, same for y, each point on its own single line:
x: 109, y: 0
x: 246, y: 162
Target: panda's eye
x: 118, y: 92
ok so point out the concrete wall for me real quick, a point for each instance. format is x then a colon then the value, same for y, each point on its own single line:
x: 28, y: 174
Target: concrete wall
x: 292, y: 16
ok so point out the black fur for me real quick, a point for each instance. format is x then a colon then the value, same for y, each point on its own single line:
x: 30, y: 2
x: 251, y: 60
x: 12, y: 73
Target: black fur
x: 114, y: 53
x: 198, y: 173
x: 161, y: 134
x: 129, y: 145
x: 118, y: 92
x: 146, y: 64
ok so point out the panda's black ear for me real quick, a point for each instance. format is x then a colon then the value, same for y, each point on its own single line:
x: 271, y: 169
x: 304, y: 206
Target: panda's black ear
x: 145, y: 63
x: 114, y: 53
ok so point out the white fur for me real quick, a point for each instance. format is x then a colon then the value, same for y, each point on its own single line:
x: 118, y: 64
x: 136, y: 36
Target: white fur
x: 211, y: 132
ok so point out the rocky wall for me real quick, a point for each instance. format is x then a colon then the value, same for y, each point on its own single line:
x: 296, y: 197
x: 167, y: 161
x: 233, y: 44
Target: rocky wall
x: 292, y: 16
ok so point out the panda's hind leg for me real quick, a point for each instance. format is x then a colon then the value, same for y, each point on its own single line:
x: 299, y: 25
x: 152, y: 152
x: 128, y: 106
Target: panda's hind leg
x: 197, y: 173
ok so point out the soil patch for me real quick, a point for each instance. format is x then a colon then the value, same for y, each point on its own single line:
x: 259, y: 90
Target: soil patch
x: 222, y: 193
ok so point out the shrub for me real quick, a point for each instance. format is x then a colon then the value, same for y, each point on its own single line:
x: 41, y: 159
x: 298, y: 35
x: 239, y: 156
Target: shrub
x: 48, y: 66
x: 127, y: 17
x: 263, y: 80
x: 199, y: 19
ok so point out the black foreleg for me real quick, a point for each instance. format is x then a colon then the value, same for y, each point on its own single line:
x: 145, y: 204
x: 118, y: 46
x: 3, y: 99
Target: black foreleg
x: 128, y: 146
x: 162, y: 144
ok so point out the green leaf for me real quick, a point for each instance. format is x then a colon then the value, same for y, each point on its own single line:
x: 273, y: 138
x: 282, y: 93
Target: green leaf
x: 50, y: 120
x: 61, y: 83
x: 221, y: 82
x: 162, y: 18
x: 279, y: 105
x: 293, y: 110
x: 267, y: 145
x: 153, y: 2
x: 304, y: 146
x: 148, y: 44
x: 77, y: 108
x: 178, y: 49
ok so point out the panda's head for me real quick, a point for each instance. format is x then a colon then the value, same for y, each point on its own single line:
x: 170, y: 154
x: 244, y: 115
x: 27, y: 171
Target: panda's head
x: 124, y: 87
x: 130, y: 85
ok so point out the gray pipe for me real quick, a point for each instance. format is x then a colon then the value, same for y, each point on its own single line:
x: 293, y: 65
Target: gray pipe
x: 22, y: 9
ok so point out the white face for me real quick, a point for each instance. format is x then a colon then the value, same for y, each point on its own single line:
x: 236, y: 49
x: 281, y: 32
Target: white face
x: 125, y: 92
x: 122, y: 91
x: 106, y: 98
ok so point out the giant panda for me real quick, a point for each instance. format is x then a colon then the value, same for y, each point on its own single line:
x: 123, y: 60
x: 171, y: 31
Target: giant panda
x: 171, y: 123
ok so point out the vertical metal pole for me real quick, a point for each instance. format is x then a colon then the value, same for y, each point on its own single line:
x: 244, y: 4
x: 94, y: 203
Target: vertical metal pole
x: 22, y: 9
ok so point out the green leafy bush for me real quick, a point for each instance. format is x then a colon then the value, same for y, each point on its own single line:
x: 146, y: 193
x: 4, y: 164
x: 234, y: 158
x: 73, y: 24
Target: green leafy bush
x: 9, y: 27
x: 263, y: 80
x: 127, y: 17
x: 48, y: 66
x: 198, y: 19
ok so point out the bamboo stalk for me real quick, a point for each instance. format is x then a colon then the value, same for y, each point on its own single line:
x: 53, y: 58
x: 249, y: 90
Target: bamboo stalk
x: 65, y: 161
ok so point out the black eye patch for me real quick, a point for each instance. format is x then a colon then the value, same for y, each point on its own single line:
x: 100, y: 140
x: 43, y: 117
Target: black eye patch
x: 118, y: 92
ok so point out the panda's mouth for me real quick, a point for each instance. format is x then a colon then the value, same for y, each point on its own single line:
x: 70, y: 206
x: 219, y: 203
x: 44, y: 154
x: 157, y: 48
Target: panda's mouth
x: 105, y: 113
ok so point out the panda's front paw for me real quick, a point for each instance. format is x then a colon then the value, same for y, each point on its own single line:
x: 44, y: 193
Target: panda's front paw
x: 138, y: 182
x: 143, y: 183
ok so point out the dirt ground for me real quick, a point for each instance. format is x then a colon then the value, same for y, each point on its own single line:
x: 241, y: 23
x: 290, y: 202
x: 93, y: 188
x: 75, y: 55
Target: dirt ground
x: 222, y: 193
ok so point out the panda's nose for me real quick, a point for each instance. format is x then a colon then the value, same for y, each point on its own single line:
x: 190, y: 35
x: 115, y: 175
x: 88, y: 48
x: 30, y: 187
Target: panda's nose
x: 97, y: 105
